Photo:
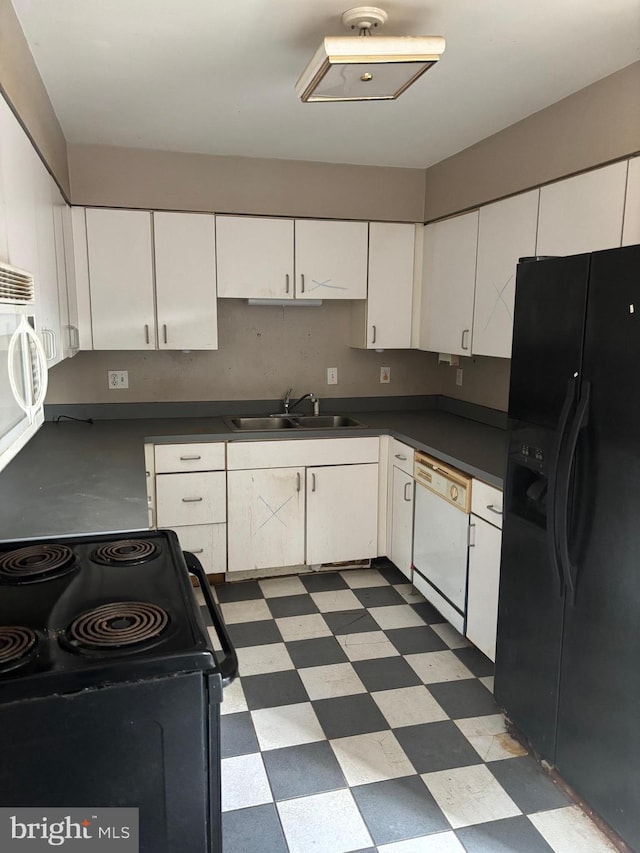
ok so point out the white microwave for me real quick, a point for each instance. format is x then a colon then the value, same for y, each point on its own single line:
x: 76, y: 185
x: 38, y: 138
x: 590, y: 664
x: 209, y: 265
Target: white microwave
x: 23, y: 364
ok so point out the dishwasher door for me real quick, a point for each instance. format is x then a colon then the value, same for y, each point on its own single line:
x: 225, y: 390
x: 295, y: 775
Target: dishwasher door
x: 440, y: 553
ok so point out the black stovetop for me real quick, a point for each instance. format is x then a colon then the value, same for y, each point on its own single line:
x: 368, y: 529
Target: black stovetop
x: 82, y: 612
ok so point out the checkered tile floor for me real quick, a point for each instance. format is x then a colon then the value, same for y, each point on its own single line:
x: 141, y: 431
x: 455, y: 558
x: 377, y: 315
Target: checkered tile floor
x: 363, y: 722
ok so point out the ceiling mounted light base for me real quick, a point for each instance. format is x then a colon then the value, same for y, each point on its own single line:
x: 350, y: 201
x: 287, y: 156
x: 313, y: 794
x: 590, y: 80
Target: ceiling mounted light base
x: 365, y: 68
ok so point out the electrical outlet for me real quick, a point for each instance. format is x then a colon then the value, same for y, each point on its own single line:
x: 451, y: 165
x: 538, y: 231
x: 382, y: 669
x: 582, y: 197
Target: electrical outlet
x: 118, y: 379
x: 385, y: 375
x: 458, y: 376
x: 332, y: 375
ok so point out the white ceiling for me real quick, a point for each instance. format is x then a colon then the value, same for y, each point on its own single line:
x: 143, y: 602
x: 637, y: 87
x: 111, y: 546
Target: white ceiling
x: 217, y: 76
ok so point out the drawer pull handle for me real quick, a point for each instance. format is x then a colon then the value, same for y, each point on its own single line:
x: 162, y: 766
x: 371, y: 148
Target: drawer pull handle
x: 400, y: 456
x: 197, y: 551
x: 492, y: 508
x: 190, y: 500
x: 190, y: 459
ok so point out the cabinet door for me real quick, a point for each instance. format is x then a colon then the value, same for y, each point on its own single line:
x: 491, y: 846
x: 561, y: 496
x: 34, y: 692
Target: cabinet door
x: 47, y: 296
x: 209, y: 544
x: 448, y: 283
x: 631, y: 224
x: 254, y: 257
x: 331, y: 259
x: 401, y: 544
x: 484, y: 581
x: 265, y: 518
x: 384, y: 321
x: 342, y: 513
x: 185, y: 248
x: 506, y: 232
x: 16, y: 159
x: 582, y: 214
x: 121, y: 279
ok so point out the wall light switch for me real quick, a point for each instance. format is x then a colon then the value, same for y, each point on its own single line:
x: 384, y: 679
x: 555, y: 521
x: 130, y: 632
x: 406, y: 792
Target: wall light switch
x: 118, y: 379
x: 332, y: 375
x: 385, y: 375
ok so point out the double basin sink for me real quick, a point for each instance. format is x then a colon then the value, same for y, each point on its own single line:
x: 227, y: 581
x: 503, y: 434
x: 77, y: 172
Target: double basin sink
x: 279, y: 422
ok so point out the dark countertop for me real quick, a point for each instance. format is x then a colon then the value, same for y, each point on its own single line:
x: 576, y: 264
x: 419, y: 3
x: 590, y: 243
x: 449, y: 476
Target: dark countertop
x: 77, y: 478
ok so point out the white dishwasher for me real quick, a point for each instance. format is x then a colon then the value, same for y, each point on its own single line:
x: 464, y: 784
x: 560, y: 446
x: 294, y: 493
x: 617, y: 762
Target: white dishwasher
x: 441, y: 537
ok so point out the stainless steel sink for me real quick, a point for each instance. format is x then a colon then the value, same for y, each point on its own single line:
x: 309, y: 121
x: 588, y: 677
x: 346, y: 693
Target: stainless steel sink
x: 272, y: 424
x: 259, y: 423
x: 326, y: 421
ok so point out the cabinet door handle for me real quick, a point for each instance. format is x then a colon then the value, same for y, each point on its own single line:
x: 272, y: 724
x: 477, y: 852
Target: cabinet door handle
x: 400, y: 456
x: 190, y: 458
x: 408, y: 499
x: 286, y: 287
x: 49, y: 340
x: 462, y: 344
x: 297, y: 481
x: 492, y: 508
x: 301, y: 283
x: 373, y: 339
x: 471, y: 536
x: 313, y: 482
x: 190, y: 500
x: 164, y: 335
x: 146, y: 333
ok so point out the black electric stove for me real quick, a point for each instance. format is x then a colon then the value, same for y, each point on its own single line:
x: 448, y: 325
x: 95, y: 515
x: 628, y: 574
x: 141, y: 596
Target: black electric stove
x: 109, y: 683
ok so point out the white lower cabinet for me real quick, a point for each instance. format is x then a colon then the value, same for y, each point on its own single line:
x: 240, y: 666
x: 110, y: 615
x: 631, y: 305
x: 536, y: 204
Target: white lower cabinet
x: 266, y: 518
x: 401, y: 538
x: 342, y: 513
x: 208, y: 542
x: 484, y: 567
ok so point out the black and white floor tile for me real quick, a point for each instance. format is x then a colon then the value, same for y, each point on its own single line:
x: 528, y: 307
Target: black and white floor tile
x: 363, y: 722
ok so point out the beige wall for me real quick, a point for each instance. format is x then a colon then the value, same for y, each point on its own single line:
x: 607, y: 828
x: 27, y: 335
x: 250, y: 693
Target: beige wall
x: 263, y: 351
x: 593, y: 126
x: 485, y: 381
x: 25, y: 91
x: 130, y: 177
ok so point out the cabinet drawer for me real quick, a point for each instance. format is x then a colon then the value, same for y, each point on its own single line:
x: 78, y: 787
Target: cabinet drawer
x: 401, y: 455
x: 209, y: 544
x: 486, y: 501
x: 189, y: 457
x: 199, y: 498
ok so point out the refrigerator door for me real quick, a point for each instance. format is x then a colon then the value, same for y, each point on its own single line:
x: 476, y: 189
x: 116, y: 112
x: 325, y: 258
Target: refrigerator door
x: 598, y: 741
x: 547, y: 349
x: 547, y: 336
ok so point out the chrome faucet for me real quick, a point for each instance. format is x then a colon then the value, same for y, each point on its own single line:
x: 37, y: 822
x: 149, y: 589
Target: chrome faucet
x: 288, y: 406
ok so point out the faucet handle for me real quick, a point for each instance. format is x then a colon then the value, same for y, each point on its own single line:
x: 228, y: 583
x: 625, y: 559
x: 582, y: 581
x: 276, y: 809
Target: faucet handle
x: 286, y: 399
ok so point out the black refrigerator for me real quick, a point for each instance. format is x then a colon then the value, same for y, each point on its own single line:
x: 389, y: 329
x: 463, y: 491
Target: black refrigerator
x: 568, y: 647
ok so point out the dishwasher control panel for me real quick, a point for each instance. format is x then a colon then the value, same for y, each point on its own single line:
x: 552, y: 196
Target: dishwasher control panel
x: 449, y: 483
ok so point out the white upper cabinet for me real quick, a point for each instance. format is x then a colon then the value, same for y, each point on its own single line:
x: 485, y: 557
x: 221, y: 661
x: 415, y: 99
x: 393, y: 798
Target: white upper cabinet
x: 582, y: 214
x: 331, y: 259
x: 185, y: 280
x: 384, y: 320
x: 631, y: 227
x: 448, y: 282
x: 254, y: 257
x: 46, y: 285
x: 121, y: 279
x: 506, y: 232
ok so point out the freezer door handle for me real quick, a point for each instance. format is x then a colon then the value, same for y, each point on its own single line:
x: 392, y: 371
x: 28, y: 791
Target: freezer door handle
x: 552, y: 488
x: 563, y: 486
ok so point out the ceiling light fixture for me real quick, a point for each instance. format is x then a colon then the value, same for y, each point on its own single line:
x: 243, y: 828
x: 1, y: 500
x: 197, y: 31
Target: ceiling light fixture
x: 366, y: 68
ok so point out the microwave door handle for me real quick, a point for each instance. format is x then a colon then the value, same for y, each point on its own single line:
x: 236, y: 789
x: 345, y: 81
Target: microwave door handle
x: 41, y: 368
x: 20, y: 398
x: 24, y: 336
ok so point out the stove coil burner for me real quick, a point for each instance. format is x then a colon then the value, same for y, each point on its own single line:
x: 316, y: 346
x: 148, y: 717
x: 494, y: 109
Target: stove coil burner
x: 36, y: 563
x: 16, y: 643
x: 117, y: 626
x: 125, y: 552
